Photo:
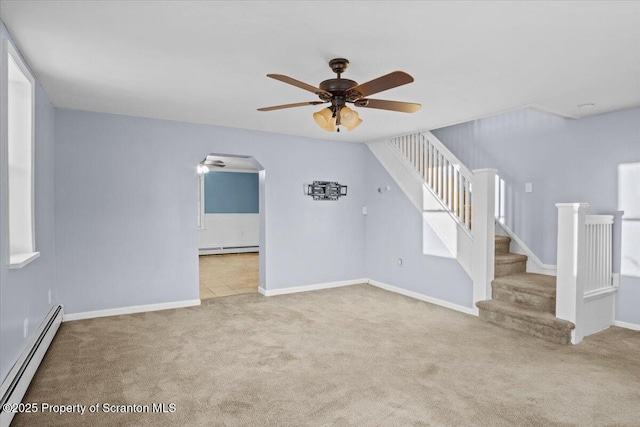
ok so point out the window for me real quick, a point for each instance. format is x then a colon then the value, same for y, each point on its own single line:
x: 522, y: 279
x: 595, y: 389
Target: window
x: 19, y: 107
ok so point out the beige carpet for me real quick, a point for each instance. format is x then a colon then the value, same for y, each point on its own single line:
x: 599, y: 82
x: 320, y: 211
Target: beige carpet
x: 348, y: 356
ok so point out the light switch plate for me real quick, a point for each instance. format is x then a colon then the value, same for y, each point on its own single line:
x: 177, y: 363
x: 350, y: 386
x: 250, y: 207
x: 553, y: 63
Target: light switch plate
x: 528, y: 187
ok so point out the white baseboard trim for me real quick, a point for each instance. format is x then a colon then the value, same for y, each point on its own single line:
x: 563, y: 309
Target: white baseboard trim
x: 422, y: 297
x: 129, y: 310
x: 391, y: 288
x: 220, y: 251
x: 632, y: 326
x: 307, y: 288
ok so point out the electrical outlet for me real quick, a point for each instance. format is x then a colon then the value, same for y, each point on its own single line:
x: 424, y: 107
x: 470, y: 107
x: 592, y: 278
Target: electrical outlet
x: 364, y: 210
x: 25, y: 328
x: 49, y: 296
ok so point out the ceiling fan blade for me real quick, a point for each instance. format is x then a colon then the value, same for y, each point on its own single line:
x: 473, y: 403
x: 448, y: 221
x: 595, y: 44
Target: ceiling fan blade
x: 381, y: 104
x: 388, y: 81
x: 297, y: 83
x: 298, y: 104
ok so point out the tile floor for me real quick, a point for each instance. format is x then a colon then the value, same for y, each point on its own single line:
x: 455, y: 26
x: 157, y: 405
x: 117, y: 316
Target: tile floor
x: 229, y: 274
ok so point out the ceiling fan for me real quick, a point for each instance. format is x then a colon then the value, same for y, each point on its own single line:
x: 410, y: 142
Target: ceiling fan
x: 341, y: 91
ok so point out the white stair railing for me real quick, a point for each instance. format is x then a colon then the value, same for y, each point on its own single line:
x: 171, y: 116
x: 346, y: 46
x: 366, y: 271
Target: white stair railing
x: 599, y: 252
x: 585, y: 293
x: 441, y: 171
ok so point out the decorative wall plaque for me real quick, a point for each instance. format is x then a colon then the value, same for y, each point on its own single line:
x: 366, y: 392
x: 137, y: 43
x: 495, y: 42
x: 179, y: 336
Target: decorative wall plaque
x: 326, y: 190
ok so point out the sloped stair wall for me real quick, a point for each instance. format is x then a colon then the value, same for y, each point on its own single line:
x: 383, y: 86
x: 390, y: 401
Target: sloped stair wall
x: 457, y: 204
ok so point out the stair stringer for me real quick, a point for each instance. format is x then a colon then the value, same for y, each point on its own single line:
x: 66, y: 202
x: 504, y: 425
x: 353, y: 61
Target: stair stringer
x: 455, y: 237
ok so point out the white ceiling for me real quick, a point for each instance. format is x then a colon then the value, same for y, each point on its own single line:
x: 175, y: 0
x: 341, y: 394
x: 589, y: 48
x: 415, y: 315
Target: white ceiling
x: 205, y: 62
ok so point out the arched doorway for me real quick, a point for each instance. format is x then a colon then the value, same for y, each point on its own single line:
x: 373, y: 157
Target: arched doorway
x: 230, y: 225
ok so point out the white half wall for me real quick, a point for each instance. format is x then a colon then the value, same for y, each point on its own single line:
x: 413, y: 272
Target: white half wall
x: 229, y: 231
x: 599, y: 312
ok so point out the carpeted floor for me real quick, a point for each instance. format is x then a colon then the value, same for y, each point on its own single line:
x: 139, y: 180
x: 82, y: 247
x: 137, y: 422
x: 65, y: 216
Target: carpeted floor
x: 356, y: 355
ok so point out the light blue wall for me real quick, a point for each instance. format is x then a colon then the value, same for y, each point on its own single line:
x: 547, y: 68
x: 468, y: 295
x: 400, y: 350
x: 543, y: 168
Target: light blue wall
x: 24, y: 292
x: 230, y: 192
x: 130, y: 238
x: 395, y: 229
x: 115, y: 251
x: 566, y: 161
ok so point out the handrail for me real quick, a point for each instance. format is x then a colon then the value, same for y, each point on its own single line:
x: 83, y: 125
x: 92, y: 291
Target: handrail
x: 448, y: 178
x: 598, y: 219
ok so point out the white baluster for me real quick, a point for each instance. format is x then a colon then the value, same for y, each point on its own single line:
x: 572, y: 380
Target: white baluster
x: 416, y: 159
x: 439, y: 173
x: 467, y: 203
x: 455, y: 194
x: 598, y: 248
x: 431, y: 180
x: 438, y: 180
x: 445, y: 190
x: 422, y: 154
x: 447, y: 172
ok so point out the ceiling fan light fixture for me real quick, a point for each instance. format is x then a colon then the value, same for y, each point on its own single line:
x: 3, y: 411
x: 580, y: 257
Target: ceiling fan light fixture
x: 348, y: 117
x: 354, y: 125
x: 324, y: 118
x: 332, y: 125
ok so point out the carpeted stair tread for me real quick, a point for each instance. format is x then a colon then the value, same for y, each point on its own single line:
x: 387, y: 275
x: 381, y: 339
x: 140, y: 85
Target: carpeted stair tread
x: 509, y: 258
x: 529, y: 315
x: 522, y: 301
x: 502, y: 244
x: 503, y: 239
x: 528, y: 283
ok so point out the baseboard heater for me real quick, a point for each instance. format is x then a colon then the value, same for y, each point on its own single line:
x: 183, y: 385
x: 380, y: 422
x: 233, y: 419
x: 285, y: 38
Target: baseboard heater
x: 15, y: 385
x: 228, y: 250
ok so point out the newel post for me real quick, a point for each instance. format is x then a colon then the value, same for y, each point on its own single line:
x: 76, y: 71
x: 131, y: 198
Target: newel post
x: 483, y: 226
x: 571, y: 266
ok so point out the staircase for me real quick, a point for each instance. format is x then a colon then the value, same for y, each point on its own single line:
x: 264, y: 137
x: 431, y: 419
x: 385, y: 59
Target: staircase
x: 460, y: 206
x: 523, y: 301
